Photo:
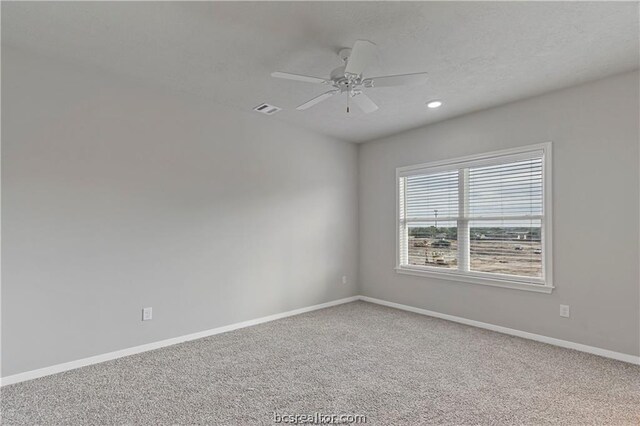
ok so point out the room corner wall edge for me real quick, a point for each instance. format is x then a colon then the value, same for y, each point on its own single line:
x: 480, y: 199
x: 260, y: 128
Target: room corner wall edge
x: 96, y: 359
x: 632, y: 359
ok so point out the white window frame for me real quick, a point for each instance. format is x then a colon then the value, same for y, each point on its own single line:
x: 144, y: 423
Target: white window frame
x: 541, y: 285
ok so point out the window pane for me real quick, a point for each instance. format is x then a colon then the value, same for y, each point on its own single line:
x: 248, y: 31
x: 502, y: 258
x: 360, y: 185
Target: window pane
x: 433, y: 244
x: 432, y: 196
x: 512, y: 189
x: 511, y: 247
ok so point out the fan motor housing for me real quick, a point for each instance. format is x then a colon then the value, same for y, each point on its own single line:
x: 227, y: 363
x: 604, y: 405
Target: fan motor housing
x: 342, y: 82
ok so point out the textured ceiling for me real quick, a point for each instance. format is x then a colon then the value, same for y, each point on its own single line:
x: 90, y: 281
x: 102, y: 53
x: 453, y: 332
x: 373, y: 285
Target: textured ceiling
x: 478, y: 54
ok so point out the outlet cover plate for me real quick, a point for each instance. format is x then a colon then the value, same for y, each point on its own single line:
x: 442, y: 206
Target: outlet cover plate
x: 147, y: 314
x: 564, y: 311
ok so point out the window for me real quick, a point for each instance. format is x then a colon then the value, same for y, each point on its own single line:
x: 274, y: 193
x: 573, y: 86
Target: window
x: 482, y: 219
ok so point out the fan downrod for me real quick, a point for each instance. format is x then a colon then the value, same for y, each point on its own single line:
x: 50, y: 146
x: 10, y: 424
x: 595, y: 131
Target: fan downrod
x: 344, y: 54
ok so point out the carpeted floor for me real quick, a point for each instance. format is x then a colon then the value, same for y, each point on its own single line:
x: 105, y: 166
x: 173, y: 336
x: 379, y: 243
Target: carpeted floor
x: 394, y: 367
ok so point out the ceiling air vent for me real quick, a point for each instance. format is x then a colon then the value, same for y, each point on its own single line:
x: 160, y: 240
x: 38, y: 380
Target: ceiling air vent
x: 267, y: 109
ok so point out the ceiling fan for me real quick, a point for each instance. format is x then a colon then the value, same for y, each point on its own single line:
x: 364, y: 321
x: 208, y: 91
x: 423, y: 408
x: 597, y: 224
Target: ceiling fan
x: 349, y: 79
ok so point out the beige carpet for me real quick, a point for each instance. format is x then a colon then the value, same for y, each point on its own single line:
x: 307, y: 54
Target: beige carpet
x: 394, y: 367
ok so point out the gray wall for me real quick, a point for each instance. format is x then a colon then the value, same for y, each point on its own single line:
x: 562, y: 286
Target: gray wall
x: 116, y: 197
x: 594, y: 129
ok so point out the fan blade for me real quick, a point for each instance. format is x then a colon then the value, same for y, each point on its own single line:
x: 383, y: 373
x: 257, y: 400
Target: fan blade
x: 298, y: 77
x: 365, y: 103
x: 361, y: 55
x: 317, y: 100
x: 399, y: 80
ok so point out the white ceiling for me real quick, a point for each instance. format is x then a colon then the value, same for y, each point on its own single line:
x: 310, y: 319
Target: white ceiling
x: 478, y: 54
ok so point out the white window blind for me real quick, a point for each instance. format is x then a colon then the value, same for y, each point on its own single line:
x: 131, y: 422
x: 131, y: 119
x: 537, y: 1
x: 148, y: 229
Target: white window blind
x: 483, y: 217
x: 432, y: 203
x: 430, y: 196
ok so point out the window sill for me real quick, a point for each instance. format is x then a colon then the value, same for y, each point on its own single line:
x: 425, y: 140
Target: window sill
x: 472, y: 279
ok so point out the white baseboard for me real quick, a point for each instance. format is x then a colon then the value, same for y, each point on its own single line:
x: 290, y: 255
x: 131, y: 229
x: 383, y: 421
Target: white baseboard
x: 59, y: 368
x: 531, y: 336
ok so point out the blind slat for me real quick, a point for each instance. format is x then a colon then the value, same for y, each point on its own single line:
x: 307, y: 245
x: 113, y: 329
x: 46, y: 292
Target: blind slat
x: 507, y: 189
x: 432, y: 195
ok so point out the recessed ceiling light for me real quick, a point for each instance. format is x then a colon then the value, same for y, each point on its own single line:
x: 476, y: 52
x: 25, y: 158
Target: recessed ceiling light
x: 434, y: 104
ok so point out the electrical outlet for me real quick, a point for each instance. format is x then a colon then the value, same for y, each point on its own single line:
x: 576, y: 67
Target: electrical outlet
x: 564, y: 311
x: 147, y: 314
x: 344, y: 279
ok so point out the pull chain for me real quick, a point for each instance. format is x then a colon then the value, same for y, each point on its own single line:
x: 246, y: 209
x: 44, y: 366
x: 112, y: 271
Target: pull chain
x: 347, y: 102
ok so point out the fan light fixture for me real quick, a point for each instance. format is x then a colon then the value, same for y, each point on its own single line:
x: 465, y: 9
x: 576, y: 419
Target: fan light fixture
x: 434, y: 104
x: 348, y: 79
